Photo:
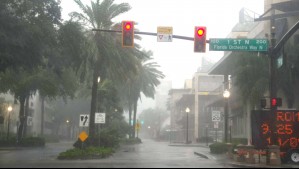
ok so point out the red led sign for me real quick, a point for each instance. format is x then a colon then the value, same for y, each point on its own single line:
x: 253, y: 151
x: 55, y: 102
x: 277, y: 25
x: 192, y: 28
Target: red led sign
x: 283, y: 124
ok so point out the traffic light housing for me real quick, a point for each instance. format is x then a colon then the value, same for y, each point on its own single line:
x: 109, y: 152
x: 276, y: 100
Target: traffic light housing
x: 276, y: 102
x: 263, y: 103
x: 267, y: 103
x: 127, y: 34
x: 200, y: 39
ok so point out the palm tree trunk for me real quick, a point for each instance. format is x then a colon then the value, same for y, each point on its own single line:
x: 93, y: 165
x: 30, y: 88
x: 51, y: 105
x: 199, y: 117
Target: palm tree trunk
x: 93, y: 103
x: 134, y: 121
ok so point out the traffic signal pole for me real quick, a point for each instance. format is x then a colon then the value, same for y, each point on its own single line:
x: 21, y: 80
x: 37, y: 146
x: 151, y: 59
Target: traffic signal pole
x: 272, y: 70
x: 149, y: 33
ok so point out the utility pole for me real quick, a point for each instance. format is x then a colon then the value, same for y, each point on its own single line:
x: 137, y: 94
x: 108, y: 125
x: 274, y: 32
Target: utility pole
x: 272, y: 67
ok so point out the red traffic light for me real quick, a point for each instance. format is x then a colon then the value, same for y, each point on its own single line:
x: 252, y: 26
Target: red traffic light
x: 127, y: 34
x: 200, y: 39
x: 276, y: 102
x: 128, y: 25
x: 200, y: 31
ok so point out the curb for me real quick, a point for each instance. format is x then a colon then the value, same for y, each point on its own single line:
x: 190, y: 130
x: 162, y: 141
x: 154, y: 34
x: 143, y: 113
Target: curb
x: 201, y: 155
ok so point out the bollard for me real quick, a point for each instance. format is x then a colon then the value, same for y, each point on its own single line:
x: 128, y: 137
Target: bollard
x: 229, y: 150
x: 274, y: 152
x: 241, y: 153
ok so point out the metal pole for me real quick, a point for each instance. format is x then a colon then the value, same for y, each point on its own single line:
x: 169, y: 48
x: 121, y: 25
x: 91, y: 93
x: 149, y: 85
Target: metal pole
x: 8, y: 124
x: 226, y: 120
x: 187, y: 130
x: 207, y: 140
x: 225, y: 110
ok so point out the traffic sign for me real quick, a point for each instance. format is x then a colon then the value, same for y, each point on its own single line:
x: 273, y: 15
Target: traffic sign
x: 164, y: 34
x: 83, y: 136
x: 238, y: 44
x: 84, y: 120
x: 216, y: 116
x: 137, y: 126
x: 100, y: 118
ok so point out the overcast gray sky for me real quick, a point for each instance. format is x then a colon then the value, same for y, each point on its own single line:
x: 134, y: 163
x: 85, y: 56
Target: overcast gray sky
x: 177, y: 59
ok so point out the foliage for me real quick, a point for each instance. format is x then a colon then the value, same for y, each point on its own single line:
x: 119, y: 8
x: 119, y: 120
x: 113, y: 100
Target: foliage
x: 87, y: 153
x: 251, y: 76
x: 110, y: 135
x: 218, y: 148
x: 32, y: 142
x: 239, y: 141
x: 24, y: 142
x: 153, y: 118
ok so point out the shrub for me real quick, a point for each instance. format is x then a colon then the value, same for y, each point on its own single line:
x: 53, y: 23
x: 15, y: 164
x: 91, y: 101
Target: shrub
x: 86, y: 153
x: 32, y: 142
x: 25, y: 142
x: 239, y: 141
x: 218, y: 148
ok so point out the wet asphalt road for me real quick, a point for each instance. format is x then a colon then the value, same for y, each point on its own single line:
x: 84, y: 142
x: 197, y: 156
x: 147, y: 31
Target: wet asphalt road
x: 149, y: 154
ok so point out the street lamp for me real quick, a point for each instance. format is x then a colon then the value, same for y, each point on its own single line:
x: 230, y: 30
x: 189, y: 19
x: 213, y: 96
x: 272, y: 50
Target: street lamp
x: 8, y: 123
x: 187, y: 111
x: 226, y: 95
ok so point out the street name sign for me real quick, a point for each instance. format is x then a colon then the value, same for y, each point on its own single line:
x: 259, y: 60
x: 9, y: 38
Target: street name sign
x: 164, y: 34
x: 238, y: 44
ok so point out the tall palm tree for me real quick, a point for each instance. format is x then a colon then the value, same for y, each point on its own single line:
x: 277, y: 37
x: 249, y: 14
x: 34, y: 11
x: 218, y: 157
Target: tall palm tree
x: 110, y: 61
x: 144, y: 81
x: 251, y: 76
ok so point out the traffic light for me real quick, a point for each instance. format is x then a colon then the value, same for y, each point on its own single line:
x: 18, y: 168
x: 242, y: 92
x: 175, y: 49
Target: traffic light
x: 127, y: 34
x: 276, y: 102
x: 200, y: 39
x: 263, y: 103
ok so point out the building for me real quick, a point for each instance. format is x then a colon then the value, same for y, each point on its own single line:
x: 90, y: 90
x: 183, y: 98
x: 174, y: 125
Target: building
x: 253, y: 26
x: 197, y: 93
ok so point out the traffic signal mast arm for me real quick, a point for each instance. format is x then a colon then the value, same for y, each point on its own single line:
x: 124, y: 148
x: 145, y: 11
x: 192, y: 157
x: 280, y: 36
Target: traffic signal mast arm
x: 149, y: 33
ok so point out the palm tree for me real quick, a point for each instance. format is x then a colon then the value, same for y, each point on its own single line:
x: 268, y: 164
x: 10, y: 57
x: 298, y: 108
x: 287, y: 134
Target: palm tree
x: 144, y: 81
x: 251, y: 76
x: 110, y: 61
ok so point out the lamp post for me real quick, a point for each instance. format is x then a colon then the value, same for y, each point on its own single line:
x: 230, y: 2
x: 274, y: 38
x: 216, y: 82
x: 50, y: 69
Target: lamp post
x: 226, y: 95
x: 187, y: 111
x: 8, y: 123
x: 68, y: 129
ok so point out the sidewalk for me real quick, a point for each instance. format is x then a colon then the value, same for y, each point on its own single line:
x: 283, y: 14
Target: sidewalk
x: 223, y: 157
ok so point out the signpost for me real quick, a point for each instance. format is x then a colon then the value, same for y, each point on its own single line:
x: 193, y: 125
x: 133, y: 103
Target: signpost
x: 238, y: 44
x: 164, y: 34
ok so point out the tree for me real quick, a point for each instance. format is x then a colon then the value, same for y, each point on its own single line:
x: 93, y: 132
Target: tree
x: 144, y: 81
x: 26, y: 32
x: 251, y: 76
x: 153, y: 121
x: 108, y: 61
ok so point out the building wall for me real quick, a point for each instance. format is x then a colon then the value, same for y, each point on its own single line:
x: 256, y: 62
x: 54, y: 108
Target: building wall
x: 205, y: 87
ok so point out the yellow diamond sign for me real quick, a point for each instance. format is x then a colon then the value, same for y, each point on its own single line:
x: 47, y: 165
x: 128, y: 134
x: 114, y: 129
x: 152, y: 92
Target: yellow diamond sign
x: 83, y: 136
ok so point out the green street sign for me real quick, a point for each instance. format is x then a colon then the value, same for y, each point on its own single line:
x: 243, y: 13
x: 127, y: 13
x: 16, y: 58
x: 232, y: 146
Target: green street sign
x: 238, y: 44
